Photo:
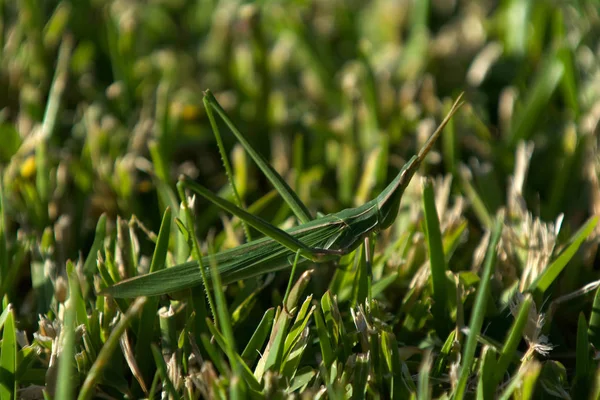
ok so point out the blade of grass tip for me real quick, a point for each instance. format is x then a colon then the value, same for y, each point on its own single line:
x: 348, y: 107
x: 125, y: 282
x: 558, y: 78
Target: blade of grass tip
x: 64, y: 388
x: 512, y: 341
x: 161, y: 367
x: 226, y: 163
x: 546, y: 278
x: 442, y: 359
x: 436, y: 260
x: 145, y: 326
x: 581, y: 381
x: 324, y: 342
x: 479, y: 309
x: 594, y: 325
x: 290, y: 197
x: 259, y: 336
x: 90, y: 264
x: 76, y: 297
x: 95, y: 372
x: 8, y: 357
x: 292, y: 274
x: 196, y: 253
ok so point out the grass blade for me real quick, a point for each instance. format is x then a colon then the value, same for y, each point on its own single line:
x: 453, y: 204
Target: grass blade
x: 545, y: 279
x: 111, y: 344
x: 436, y: 260
x: 594, y: 325
x: 512, y: 341
x: 582, y: 382
x: 258, y: 337
x: 89, y: 267
x: 64, y: 388
x: 479, y: 309
x: 161, y: 367
x: 8, y: 357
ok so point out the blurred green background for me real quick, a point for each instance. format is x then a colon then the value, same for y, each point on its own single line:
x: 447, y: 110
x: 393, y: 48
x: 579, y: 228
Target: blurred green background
x: 101, y: 110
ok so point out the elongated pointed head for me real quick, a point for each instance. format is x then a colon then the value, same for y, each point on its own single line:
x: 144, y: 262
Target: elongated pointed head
x: 388, y: 201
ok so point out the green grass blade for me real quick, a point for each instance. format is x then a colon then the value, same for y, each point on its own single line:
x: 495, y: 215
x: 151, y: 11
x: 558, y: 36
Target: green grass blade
x: 582, y: 382
x: 259, y: 336
x: 64, y: 387
x: 224, y: 317
x: 8, y: 357
x: 361, y: 373
x: 95, y: 373
x: 523, y: 383
x: 324, y: 342
x: 545, y: 279
x: 594, y: 325
x: 479, y: 310
x: 161, y: 367
x: 145, y: 328
x: 195, y: 245
x: 290, y: 197
x: 436, y: 260
x: 98, y: 245
x: 487, y: 365
x: 512, y: 341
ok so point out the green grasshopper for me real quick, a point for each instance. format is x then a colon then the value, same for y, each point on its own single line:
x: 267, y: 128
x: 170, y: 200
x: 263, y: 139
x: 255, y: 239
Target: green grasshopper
x: 314, y: 240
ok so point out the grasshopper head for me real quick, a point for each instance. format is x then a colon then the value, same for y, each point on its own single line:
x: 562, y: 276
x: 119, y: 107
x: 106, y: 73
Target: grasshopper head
x: 388, y: 201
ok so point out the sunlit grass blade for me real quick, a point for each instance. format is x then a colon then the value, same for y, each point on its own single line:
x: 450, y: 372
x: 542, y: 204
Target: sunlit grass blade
x: 64, y: 386
x: 479, y: 309
x: 436, y: 260
x: 512, y: 341
x: 549, y: 275
x: 8, y: 357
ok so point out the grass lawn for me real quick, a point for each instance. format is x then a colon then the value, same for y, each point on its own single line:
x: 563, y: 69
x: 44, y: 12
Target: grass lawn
x: 485, y: 285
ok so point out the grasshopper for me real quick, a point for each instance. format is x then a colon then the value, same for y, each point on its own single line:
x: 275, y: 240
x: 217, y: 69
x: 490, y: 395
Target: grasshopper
x: 314, y: 240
